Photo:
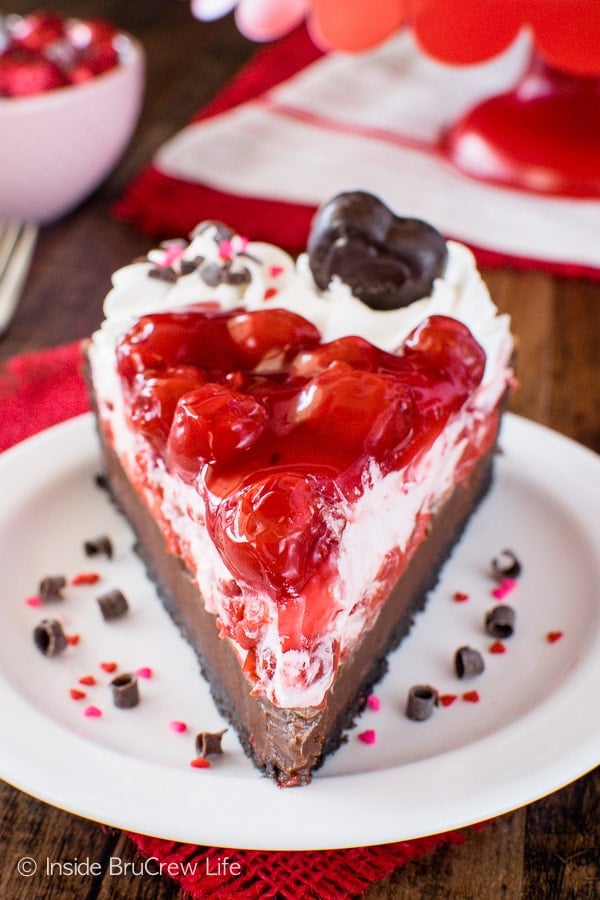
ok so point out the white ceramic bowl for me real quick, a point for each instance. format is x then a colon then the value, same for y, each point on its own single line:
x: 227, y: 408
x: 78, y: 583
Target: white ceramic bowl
x: 57, y: 147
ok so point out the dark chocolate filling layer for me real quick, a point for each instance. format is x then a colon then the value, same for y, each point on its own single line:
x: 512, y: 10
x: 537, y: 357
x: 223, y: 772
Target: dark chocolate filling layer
x: 289, y: 744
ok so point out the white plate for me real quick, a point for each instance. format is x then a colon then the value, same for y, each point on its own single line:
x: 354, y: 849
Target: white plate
x: 535, y: 728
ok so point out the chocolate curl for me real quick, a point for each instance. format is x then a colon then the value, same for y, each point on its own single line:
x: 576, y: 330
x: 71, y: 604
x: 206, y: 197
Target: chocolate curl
x: 468, y: 662
x: 421, y: 702
x: 113, y: 605
x: 51, y: 587
x: 506, y: 565
x: 500, y: 621
x: 49, y: 637
x: 99, y: 546
x: 125, y: 691
x: 208, y: 743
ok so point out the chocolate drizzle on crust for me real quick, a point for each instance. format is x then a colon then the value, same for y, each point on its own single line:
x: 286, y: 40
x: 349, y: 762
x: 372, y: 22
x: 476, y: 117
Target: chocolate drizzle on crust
x: 386, y: 260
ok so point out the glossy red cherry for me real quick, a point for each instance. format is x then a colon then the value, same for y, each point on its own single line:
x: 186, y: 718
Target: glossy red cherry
x: 450, y: 344
x: 85, y: 33
x: 153, y: 399
x: 92, y: 62
x: 38, y: 30
x: 212, y: 424
x: 24, y: 73
x: 275, y: 530
x: 352, y: 415
x: 355, y: 351
x: 271, y: 337
x: 215, y: 341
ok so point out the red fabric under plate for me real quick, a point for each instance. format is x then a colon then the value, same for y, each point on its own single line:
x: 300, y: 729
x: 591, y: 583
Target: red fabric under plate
x: 46, y: 387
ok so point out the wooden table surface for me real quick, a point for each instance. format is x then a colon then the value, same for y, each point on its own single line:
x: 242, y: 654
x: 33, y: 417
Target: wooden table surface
x: 551, y: 849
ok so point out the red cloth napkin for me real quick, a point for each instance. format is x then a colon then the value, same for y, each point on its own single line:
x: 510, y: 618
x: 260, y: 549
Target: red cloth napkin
x: 41, y: 389
x: 295, y: 126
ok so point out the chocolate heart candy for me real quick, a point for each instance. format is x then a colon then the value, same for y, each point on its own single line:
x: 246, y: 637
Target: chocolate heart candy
x: 386, y: 260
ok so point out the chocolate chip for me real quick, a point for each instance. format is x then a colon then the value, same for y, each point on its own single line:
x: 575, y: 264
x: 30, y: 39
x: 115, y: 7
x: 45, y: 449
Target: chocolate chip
x: 500, y: 621
x: 101, y: 481
x: 222, y: 231
x: 468, y: 662
x: 208, y: 743
x: 113, y: 605
x: 421, y: 701
x: 187, y: 266
x: 163, y: 273
x: 101, y: 545
x: 212, y: 274
x: 49, y: 637
x: 51, y: 587
x: 238, y: 278
x: 506, y: 565
x: 125, y: 691
x: 386, y: 260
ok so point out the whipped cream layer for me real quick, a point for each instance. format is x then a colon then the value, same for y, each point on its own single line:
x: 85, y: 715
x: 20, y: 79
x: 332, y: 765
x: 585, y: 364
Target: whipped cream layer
x: 387, y: 521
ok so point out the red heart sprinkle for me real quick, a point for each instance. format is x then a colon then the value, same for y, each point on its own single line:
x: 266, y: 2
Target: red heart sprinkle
x: 460, y: 597
x: 178, y: 727
x: 270, y: 292
x: 554, y: 636
x: 144, y: 672
x: 200, y: 762
x: 497, y: 647
x: 77, y: 695
x: 447, y: 699
x: 87, y: 679
x: 108, y: 666
x: 85, y: 578
x: 73, y: 639
x: 471, y: 696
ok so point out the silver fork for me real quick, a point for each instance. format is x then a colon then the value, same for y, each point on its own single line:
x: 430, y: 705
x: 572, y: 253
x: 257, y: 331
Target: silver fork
x: 17, y: 243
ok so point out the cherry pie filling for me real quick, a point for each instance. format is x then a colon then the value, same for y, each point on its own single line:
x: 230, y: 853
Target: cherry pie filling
x: 279, y: 432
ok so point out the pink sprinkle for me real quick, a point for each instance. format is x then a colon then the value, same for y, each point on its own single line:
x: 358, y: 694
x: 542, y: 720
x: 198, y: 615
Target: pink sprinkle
x: 173, y: 253
x: 92, y: 712
x: 504, y: 588
x: 178, y: 727
x: 274, y: 271
x: 368, y: 736
x: 34, y: 601
x: 144, y: 672
x: 373, y: 702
